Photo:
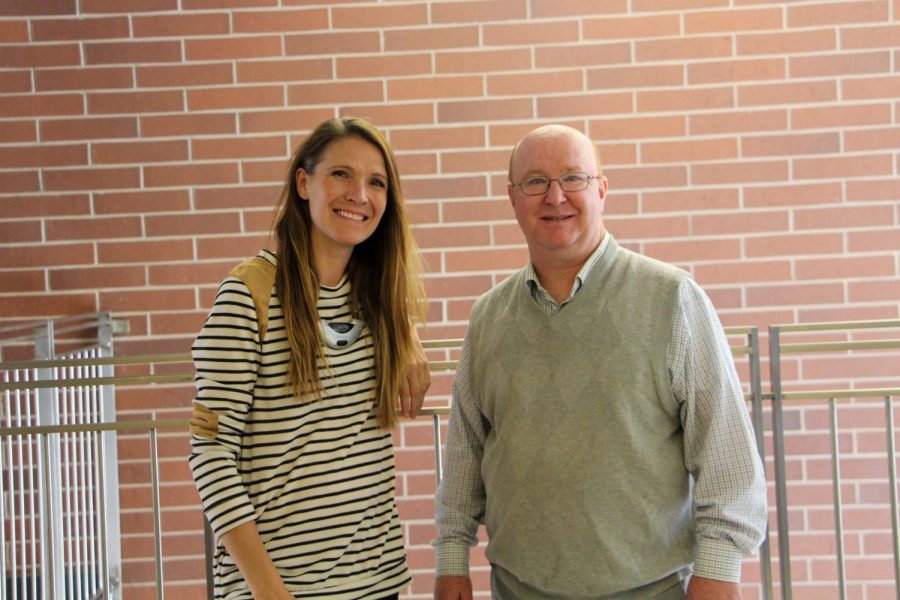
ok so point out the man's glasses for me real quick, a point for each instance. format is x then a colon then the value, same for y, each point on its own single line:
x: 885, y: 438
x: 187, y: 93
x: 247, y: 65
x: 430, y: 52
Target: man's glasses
x: 538, y: 185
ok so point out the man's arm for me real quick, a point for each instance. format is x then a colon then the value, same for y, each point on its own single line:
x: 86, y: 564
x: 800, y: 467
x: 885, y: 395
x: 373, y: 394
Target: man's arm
x: 729, y: 494
x: 460, y: 499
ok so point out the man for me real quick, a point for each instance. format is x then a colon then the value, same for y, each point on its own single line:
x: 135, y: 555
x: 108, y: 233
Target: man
x: 598, y: 426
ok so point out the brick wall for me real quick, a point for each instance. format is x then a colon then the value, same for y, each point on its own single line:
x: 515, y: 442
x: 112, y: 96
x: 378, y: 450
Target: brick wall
x: 755, y: 143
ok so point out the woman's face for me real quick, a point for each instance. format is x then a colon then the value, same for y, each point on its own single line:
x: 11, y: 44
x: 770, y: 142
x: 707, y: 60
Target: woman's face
x: 347, y: 195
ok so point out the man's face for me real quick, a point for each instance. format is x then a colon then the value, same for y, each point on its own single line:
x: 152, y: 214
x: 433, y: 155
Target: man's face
x: 559, y: 226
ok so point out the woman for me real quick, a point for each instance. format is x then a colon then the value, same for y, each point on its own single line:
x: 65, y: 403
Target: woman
x: 298, y: 383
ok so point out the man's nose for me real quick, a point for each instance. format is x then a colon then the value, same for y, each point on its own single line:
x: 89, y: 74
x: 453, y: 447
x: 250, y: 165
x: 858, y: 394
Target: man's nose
x: 555, y: 195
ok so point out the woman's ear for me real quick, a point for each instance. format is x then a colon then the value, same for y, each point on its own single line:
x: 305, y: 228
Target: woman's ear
x: 301, y: 179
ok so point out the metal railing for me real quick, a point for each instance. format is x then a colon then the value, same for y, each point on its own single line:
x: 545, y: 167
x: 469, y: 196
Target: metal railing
x: 60, y: 504
x: 778, y: 347
x: 750, y: 349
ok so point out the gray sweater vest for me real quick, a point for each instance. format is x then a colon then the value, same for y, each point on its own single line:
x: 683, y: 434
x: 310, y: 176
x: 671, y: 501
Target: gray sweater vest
x: 587, y: 492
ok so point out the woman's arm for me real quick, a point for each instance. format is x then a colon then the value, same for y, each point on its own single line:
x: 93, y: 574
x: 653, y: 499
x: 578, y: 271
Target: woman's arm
x: 246, y: 549
x: 415, y: 384
x: 226, y: 356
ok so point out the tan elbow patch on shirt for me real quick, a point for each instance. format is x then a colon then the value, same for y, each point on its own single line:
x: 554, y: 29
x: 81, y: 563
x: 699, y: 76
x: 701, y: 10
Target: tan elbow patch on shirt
x: 204, y: 422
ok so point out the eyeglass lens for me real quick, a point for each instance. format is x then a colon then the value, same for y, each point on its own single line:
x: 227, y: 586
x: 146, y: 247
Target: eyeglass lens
x: 571, y: 182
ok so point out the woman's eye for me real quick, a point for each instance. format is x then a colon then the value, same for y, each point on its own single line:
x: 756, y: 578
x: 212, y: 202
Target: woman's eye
x: 341, y: 173
x: 379, y: 183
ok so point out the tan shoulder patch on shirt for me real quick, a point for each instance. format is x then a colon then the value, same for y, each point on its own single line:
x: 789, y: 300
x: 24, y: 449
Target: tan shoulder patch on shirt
x: 258, y: 275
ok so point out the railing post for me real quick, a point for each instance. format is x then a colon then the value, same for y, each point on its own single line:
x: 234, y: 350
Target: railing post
x: 4, y: 562
x: 108, y: 458
x: 438, y: 459
x: 892, y: 482
x: 157, y: 519
x: 765, y: 552
x: 209, y: 546
x: 53, y: 572
x: 784, y: 551
x: 836, y: 493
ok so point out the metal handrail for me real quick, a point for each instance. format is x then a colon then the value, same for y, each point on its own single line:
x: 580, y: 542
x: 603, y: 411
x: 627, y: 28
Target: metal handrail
x: 124, y: 380
x: 840, y: 346
x: 185, y: 357
x: 838, y: 325
x: 108, y: 360
x: 83, y: 321
x: 822, y: 394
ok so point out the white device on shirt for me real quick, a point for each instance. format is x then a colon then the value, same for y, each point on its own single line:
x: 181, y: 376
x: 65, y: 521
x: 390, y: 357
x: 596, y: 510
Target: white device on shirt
x: 340, y: 334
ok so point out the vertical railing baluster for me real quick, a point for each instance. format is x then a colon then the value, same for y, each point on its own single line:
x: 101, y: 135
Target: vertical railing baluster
x: 22, y: 577
x: 157, y: 520
x: 209, y: 552
x: 892, y: 483
x: 784, y: 551
x: 32, y: 529
x: 87, y: 592
x: 103, y: 518
x: 9, y: 499
x: 836, y: 491
x: 90, y: 417
x: 48, y: 582
x: 438, y: 466
x: 4, y: 567
x: 67, y: 487
x: 765, y: 552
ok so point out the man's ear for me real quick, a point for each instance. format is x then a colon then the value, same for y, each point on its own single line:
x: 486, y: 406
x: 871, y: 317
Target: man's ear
x: 510, y: 188
x: 602, y: 188
x: 301, y: 179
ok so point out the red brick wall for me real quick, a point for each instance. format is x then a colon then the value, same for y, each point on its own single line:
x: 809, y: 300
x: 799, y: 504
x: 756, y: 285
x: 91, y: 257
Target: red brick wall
x: 754, y: 143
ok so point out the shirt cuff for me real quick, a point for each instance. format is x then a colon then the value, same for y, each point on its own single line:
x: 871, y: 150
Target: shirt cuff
x: 719, y: 560
x: 452, y: 560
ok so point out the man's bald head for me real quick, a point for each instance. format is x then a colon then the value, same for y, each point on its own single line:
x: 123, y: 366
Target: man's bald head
x: 546, y: 131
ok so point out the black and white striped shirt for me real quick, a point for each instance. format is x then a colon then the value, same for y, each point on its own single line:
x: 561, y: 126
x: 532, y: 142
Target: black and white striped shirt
x: 316, y: 475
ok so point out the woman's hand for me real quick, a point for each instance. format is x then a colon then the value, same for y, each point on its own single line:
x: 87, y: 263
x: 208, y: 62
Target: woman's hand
x: 416, y: 382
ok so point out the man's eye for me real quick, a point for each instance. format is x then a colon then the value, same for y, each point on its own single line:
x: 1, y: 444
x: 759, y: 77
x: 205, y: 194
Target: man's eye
x: 574, y: 178
x: 536, y: 181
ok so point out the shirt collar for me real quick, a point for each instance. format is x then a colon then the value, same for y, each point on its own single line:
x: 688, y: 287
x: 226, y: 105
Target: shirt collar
x: 534, y: 286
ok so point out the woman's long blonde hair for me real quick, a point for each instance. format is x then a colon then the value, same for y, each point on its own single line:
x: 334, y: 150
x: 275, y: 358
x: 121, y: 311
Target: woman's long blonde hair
x: 386, y: 290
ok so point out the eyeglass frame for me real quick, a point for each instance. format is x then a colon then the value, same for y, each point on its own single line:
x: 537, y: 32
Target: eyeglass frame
x: 587, y: 183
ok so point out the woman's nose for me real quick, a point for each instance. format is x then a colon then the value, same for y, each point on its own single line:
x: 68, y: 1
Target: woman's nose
x: 356, y: 192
